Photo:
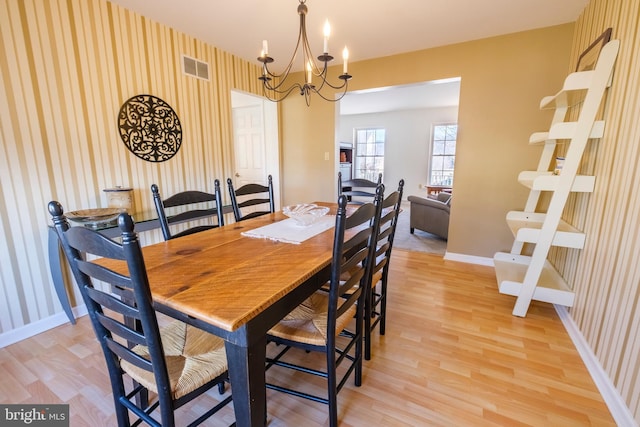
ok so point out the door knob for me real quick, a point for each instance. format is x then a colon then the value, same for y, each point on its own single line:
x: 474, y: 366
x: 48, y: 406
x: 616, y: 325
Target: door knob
x: 237, y: 174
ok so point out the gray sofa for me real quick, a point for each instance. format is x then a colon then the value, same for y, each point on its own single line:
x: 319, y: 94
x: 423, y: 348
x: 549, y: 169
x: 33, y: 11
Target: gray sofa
x: 430, y: 214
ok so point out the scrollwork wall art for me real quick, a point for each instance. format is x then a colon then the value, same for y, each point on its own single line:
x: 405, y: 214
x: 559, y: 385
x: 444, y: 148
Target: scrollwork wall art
x: 150, y: 128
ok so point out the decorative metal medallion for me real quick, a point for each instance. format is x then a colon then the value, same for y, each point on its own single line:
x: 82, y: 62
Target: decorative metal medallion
x: 150, y: 128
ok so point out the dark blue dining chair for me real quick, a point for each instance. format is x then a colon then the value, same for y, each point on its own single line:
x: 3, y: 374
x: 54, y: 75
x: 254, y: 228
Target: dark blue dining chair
x: 331, y: 320
x: 251, y: 200
x: 376, y: 303
x: 176, y: 362
x: 190, y: 205
x: 358, y: 190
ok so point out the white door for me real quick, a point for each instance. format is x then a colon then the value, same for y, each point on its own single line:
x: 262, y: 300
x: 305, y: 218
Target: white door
x: 256, y: 146
x: 249, y: 145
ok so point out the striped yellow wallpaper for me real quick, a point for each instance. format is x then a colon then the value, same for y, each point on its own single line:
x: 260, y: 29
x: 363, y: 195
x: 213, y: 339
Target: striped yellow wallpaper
x: 606, y: 274
x: 66, y: 67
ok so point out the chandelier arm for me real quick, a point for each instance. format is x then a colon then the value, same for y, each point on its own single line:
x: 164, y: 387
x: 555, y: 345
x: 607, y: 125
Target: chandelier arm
x: 275, y: 86
x: 323, y: 77
x: 282, y: 94
x: 288, y: 90
x: 301, y: 37
x: 344, y: 92
x: 321, y: 73
x: 307, y: 98
x: 326, y: 82
x: 308, y: 55
x: 283, y: 76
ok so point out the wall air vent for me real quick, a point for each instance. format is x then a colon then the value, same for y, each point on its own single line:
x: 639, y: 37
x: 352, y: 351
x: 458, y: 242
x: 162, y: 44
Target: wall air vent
x: 195, y: 68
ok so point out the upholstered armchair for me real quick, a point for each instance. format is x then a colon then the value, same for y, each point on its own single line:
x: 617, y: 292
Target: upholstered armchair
x: 430, y: 214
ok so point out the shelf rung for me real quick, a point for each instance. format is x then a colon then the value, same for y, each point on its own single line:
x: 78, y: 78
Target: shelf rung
x: 565, y: 130
x: 573, y: 89
x: 551, y: 287
x: 526, y: 227
x: 575, y: 84
x: 547, y: 181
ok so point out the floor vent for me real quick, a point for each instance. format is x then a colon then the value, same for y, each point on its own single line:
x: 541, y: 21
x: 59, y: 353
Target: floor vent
x: 195, y: 68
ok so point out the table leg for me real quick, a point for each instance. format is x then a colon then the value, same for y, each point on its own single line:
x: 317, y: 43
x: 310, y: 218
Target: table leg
x: 55, y: 264
x: 248, y: 385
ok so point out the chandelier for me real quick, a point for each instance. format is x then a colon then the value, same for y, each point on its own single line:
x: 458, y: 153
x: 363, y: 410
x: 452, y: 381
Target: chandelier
x: 277, y: 87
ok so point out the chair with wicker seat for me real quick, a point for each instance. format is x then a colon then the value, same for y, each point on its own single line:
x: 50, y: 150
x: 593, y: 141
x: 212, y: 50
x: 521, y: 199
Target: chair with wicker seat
x: 249, y: 200
x: 376, y: 304
x: 176, y: 363
x: 193, y: 204
x: 320, y: 323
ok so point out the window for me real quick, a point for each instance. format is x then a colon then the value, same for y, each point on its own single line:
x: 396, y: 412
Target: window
x: 369, y: 153
x: 443, y: 154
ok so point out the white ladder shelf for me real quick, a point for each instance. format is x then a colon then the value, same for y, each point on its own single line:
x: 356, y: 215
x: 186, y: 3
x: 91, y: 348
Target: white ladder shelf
x: 533, y: 277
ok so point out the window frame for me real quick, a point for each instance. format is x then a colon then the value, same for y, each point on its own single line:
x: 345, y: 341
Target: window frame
x: 376, y: 153
x: 432, y: 156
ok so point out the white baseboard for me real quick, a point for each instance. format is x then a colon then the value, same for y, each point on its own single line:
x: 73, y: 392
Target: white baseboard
x: 27, y: 331
x: 470, y: 259
x: 619, y: 410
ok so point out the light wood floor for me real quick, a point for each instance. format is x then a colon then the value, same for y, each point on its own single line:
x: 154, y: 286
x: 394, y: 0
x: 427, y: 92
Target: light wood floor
x: 453, y: 356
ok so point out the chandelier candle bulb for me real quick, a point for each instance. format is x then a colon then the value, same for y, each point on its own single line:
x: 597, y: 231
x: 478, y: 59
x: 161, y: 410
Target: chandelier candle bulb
x: 327, y: 33
x: 345, y: 57
x: 265, y: 48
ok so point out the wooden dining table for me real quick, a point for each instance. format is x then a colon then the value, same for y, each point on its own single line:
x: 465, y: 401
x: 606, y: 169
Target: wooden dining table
x: 237, y: 287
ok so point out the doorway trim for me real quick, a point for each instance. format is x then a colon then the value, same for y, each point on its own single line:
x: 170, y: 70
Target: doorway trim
x: 271, y: 138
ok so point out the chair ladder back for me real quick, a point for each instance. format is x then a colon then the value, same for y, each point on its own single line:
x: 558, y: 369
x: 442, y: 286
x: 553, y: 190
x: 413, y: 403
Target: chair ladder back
x: 352, y: 255
x: 125, y: 315
x: 251, y: 195
x: 330, y: 314
x: 194, y: 205
x: 358, y: 187
x: 195, y: 198
x: 386, y: 229
x: 125, y: 353
x: 395, y: 200
x: 376, y: 300
x: 188, y: 197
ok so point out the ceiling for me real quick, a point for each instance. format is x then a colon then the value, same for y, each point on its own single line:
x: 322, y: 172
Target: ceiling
x: 433, y: 94
x: 369, y: 28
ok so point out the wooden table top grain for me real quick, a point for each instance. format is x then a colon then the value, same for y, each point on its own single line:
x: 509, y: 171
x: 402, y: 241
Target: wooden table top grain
x: 226, y: 279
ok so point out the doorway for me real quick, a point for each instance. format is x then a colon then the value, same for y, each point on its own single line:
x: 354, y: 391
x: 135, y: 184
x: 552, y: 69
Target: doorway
x: 406, y: 113
x: 256, y: 150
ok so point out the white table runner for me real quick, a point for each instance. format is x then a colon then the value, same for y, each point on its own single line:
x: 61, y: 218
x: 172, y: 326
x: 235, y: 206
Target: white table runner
x: 288, y: 231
